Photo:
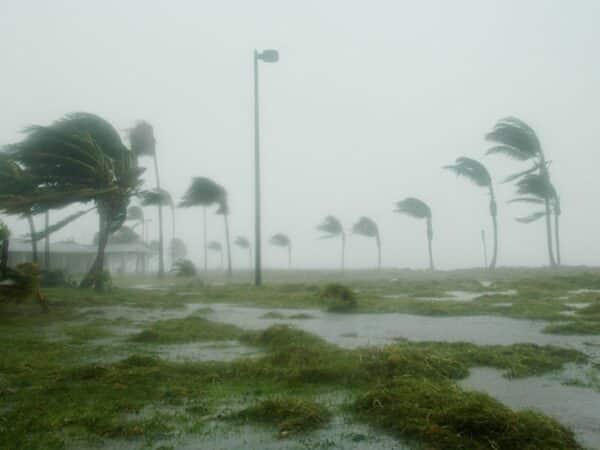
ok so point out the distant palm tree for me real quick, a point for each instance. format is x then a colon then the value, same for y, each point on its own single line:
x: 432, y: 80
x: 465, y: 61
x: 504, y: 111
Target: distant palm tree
x: 143, y: 143
x: 368, y: 228
x: 244, y: 243
x: 517, y: 140
x: 417, y: 208
x: 332, y: 228
x: 205, y: 192
x: 216, y: 247
x: 534, y: 189
x: 476, y: 172
x: 178, y: 249
x: 159, y: 197
x: 282, y: 240
x: 224, y: 211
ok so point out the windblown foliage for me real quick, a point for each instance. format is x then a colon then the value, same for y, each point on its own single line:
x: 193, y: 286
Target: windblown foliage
x: 413, y: 207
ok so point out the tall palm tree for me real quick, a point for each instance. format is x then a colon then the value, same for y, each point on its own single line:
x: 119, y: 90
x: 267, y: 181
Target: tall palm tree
x: 368, y: 228
x: 77, y: 159
x: 159, y: 197
x: 418, y: 209
x: 224, y: 211
x: 477, y: 173
x: 332, y: 228
x: 216, y: 247
x: 143, y: 143
x: 206, y: 192
x: 244, y: 243
x: 517, y: 140
x: 282, y: 240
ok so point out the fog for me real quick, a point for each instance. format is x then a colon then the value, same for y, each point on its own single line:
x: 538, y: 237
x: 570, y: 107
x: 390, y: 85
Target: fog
x: 368, y: 101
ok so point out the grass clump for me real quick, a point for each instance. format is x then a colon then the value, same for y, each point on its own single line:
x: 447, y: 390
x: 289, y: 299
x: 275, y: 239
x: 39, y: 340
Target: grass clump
x: 576, y: 327
x: 445, y: 416
x: 186, y: 330
x: 273, y: 315
x: 301, y: 316
x: 290, y: 415
x: 338, y: 298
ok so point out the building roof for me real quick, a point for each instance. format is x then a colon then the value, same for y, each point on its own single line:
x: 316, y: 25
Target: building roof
x: 72, y: 247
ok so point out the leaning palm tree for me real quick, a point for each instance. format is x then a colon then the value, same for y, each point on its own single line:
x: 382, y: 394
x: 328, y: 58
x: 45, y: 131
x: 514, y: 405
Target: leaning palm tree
x: 414, y: 207
x: 224, y: 211
x: 282, y: 240
x: 332, y: 228
x: 244, y: 243
x: 517, y: 140
x: 143, y: 143
x: 159, y: 197
x: 476, y: 172
x: 203, y: 192
x: 77, y: 159
x: 216, y: 247
x: 368, y: 228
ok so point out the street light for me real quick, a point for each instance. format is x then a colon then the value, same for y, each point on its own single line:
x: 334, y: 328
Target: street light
x: 268, y: 56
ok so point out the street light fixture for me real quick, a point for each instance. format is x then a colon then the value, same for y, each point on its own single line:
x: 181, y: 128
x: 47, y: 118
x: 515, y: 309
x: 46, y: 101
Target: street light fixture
x: 268, y: 56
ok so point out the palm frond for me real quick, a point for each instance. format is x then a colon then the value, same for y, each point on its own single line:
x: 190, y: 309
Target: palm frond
x: 365, y: 227
x: 215, y: 246
x: 280, y: 240
x: 472, y: 170
x: 331, y: 226
x: 413, y: 207
x: 536, y: 185
x: 532, y: 217
x: 534, y: 200
x: 242, y: 242
x: 135, y: 213
x: 58, y: 225
x: 514, y: 138
x: 511, y: 152
x: 141, y: 139
x: 202, y: 192
x: 518, y: 175
x: 156, y: 197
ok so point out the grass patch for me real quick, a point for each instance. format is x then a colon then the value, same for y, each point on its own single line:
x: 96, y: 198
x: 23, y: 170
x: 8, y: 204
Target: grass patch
x: 290, y: 415
x: 578, y: 327
x: 82, y: 333
x: 301, y: 316
x: 444, y: 416
x: 186, y: 330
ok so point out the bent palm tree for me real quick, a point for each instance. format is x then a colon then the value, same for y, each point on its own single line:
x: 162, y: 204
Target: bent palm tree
x: 159, y: 197
x: 418, y: 209
x: 224, y: 211
x: 143, y: 143
x: 534, y: 189
x: 476, y: 172
x: 519, y: 141
x: 77, y: 159
x: 204, y: 192
x: 216, y: 247
x: 332, y: 228
x: 244, y: 243
x: 368, y: 228
x: 282, y: 240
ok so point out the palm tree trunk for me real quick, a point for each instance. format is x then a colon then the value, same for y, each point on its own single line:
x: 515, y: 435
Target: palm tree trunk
x: 229, y: 271
x: 47, y: 243
x: 250, y: 256
x: 94, y: 277
x: 343, y: 251
x: 549, y: 233
x: 34, y: 250
x: 172, y: 234
x: 378, y: 243
x: 204, y: 237
x: 161, y: 244
x: 557, y: 236
x: 429, y: 239
x: 494, y: 214
x: 484, y: 245
x: 4, y: 257
x: 289, y: 257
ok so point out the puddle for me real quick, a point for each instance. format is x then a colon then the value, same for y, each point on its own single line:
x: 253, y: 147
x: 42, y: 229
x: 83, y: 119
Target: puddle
x: 575, y: 407
x: 381, y: 329
x: 206, y: 351
x: 466, y: 296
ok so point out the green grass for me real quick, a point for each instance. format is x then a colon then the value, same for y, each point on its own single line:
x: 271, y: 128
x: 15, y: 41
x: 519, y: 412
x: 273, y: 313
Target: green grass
x: 445, y: 416
x: 290, y: 415
x: 577, y: 327
x: 187, y: 330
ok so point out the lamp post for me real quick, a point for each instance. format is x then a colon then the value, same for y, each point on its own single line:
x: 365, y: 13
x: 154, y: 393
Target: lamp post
x: 268, y: 56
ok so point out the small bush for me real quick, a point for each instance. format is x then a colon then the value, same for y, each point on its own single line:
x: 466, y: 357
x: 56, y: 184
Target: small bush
x: 184, y: 268
x: 56, y: 278
x: 338, y: 297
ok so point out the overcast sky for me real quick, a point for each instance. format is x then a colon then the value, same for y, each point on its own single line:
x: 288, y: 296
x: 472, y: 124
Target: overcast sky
x: 368, y: 101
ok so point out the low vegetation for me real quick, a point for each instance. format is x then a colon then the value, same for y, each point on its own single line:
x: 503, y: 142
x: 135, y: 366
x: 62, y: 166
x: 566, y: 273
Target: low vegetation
x: 338, y: 298
x: 186, y: 330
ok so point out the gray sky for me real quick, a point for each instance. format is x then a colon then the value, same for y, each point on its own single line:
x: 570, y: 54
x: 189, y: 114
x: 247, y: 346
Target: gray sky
x: 367, y: 103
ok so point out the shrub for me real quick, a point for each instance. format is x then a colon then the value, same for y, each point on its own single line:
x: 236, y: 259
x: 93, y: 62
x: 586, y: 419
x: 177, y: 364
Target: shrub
x: 184, y: 268
x: 338, y: 297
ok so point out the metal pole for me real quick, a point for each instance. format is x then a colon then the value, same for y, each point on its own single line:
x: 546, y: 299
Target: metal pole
x: 257, y: 244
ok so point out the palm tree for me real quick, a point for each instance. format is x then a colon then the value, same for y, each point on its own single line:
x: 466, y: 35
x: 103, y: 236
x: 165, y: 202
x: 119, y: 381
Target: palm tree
x: 244, y: 243
x: 204, y: 192
x: 216, y: 247
x: 282, y: 240
x: 136, y: 214
x: 178, y: 249
x: 77, y: 159
x: 417, y: 208
x: 143, y: 143
x: 368, y: 228
x: 224, y: 211
x: 332, y: 228
x: 476, y: 172
x: 159, y: 197
x: 517, y: 140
